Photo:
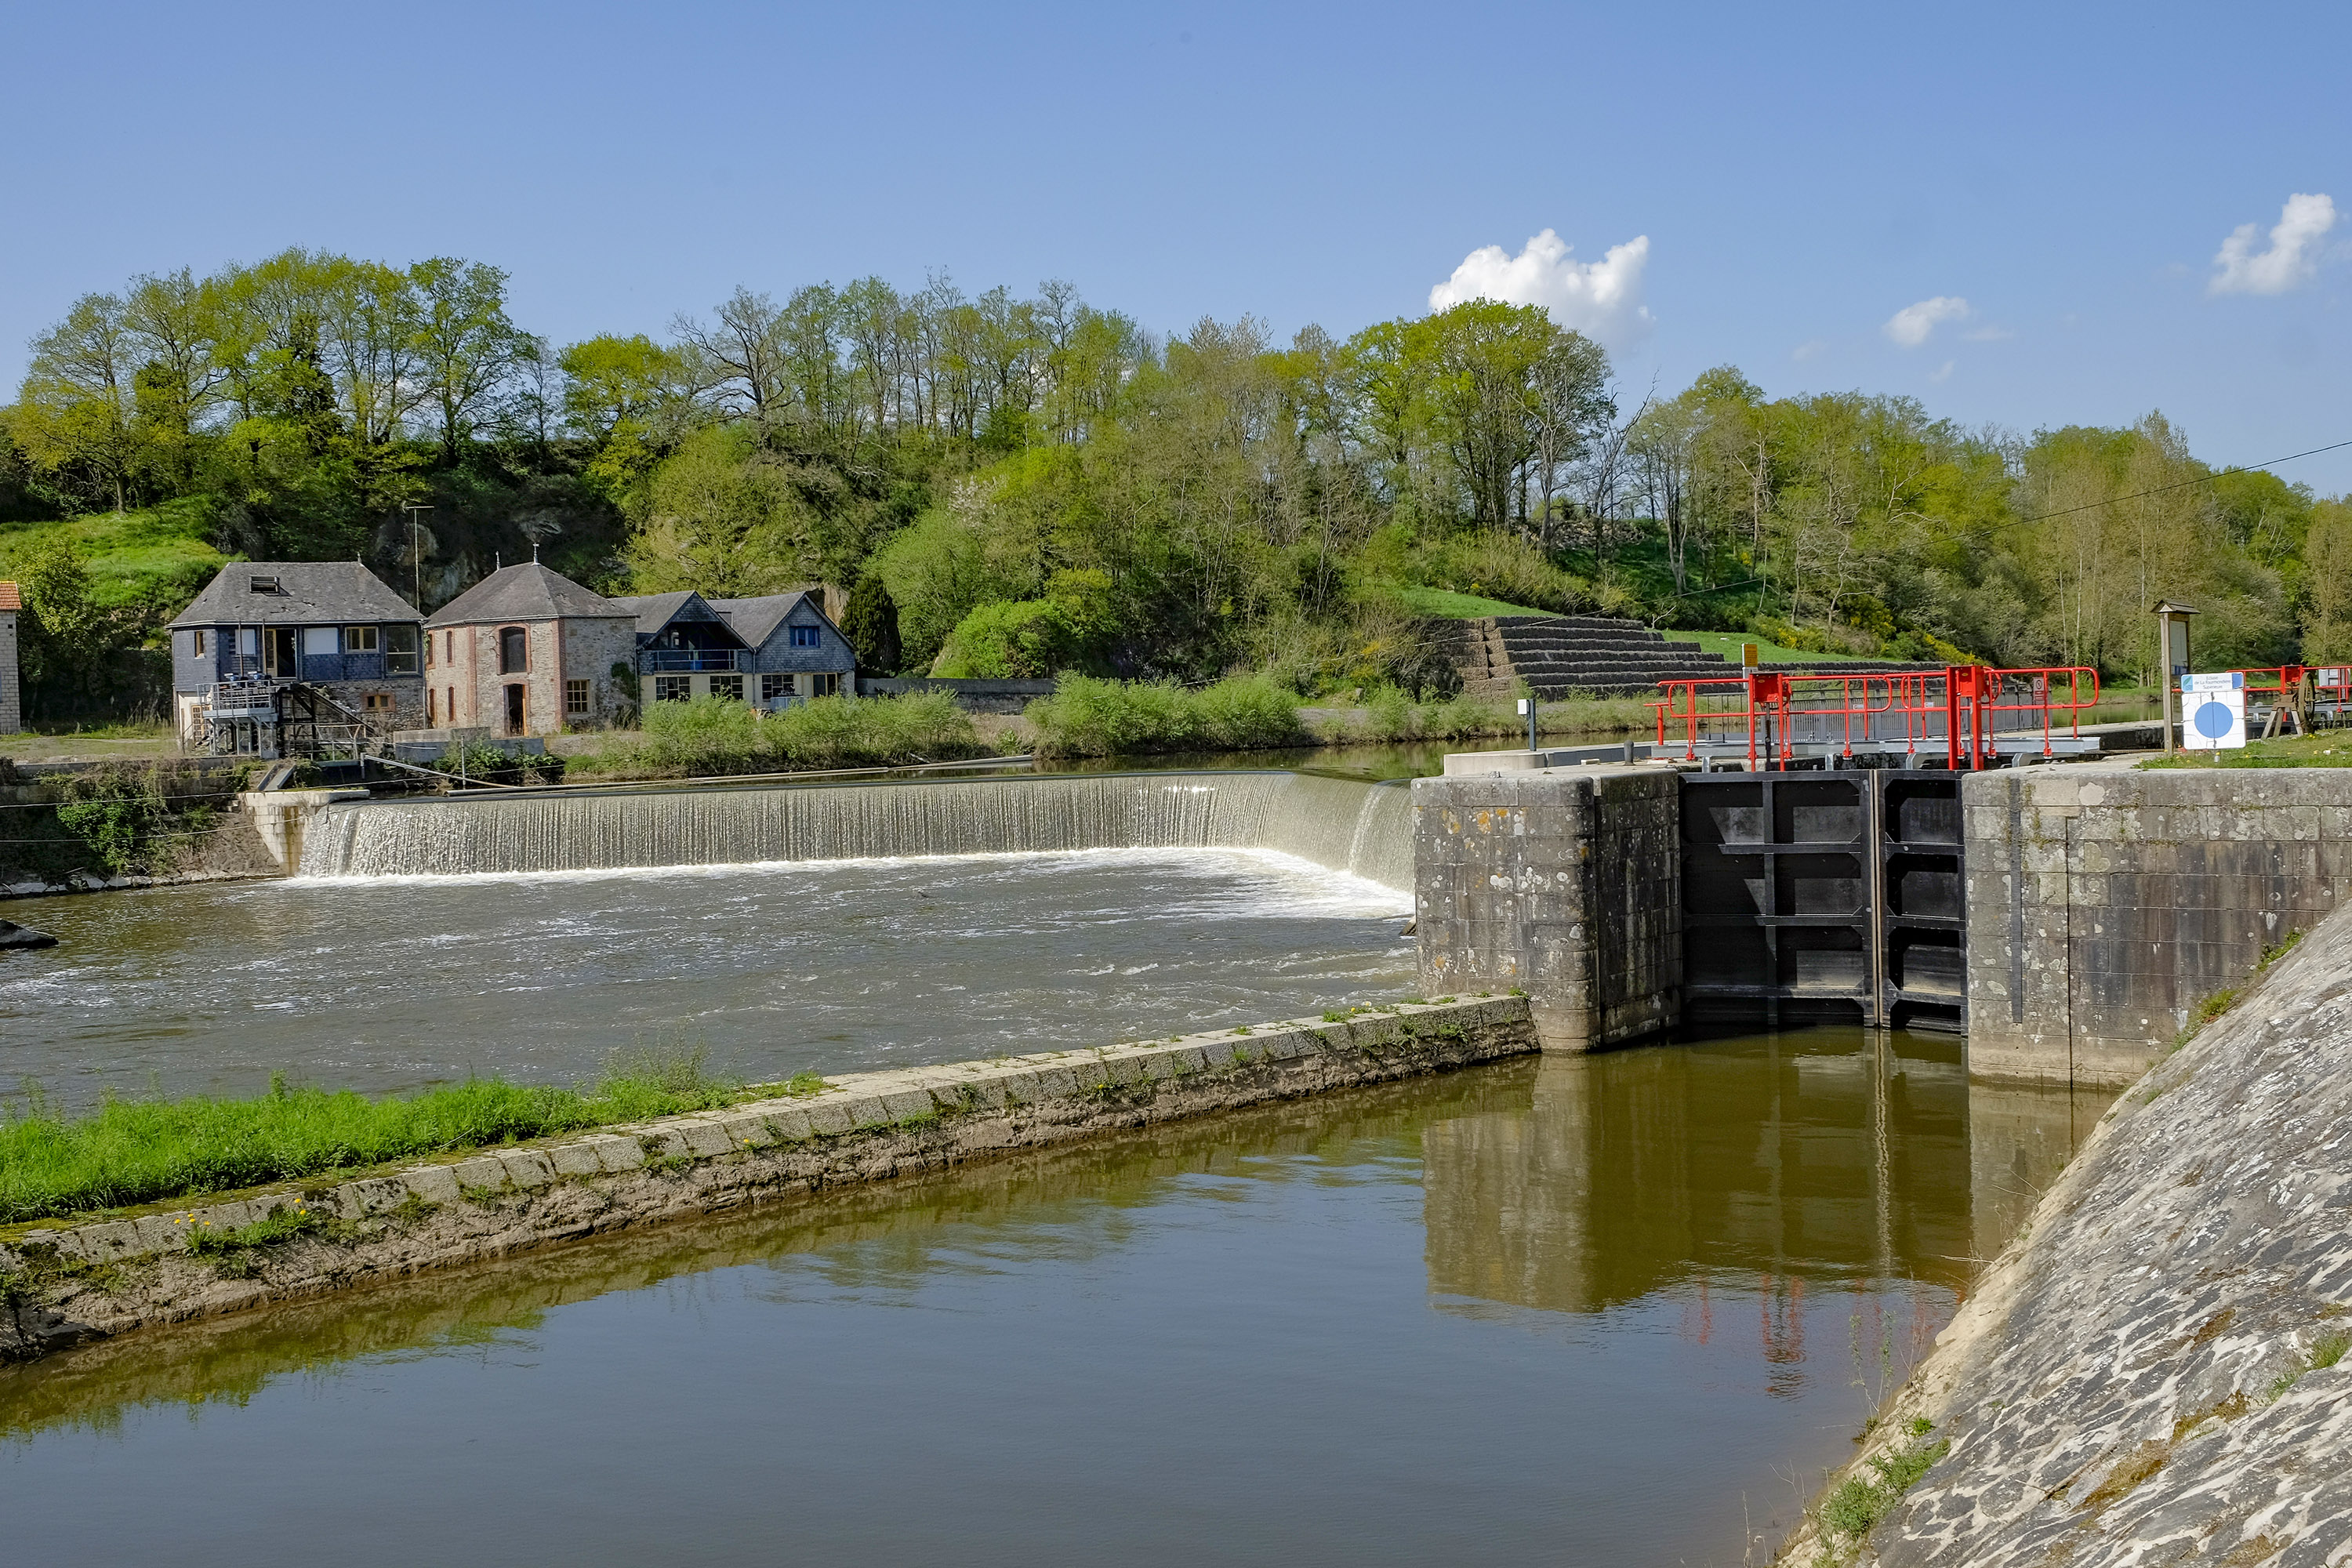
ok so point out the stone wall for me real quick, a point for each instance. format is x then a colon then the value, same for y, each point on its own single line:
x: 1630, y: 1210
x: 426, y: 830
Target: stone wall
x: 2156, y: 1370
x: 1564, y: 883
x: 2105, y: 903
x: 64, y: 1283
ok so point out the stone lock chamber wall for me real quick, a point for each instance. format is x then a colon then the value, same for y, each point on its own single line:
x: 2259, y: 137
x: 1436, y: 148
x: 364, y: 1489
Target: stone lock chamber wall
x: 2105, y: 903
x: 1564, y: 883
x: 2102, y: 903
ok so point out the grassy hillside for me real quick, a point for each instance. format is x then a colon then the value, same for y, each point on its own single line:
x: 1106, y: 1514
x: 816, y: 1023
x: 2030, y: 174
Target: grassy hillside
x: 1444, y: 604
x: 157, y: 558
x: 1727, y: 644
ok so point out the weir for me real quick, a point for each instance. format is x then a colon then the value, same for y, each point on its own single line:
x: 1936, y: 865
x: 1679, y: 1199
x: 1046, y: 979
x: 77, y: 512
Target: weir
x: 1360, y: 828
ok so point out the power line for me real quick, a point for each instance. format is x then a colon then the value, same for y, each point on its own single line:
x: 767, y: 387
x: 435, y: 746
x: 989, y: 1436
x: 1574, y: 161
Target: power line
x: 2087, y: 506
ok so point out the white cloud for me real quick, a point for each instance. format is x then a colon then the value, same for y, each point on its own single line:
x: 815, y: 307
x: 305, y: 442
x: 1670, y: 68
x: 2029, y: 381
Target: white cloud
x: 1602, y: 298
x: 1812, y: 348
x: 1913, y: 324
x: 1944, y: 371
x: 2292, y: 259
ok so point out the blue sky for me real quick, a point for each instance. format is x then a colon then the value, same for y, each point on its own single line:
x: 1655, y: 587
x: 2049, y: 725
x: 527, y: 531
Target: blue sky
x: 1801, y: 178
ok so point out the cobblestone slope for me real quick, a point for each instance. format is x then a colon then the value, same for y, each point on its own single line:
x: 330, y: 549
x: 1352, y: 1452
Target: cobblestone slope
x: 2155, y: 1372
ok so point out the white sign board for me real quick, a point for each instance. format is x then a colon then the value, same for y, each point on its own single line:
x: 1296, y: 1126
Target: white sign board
x: 2212, y: 720
x: 2228, y: 681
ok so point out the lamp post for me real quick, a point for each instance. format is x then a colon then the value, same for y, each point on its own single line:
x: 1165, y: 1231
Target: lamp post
x: 2171, y: 655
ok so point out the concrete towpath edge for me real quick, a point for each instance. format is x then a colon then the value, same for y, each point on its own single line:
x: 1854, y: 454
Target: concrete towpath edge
x: 66, y: 1284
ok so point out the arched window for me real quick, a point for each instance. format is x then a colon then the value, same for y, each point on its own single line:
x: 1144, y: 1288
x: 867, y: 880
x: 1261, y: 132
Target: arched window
x: 514, y: 650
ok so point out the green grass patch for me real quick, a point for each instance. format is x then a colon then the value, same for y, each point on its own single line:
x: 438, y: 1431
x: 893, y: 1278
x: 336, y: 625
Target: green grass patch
x: 156, y: 554
x: 1389, y: 714
x: 1086, y: 717
x: 1444, y: 604
x: 1729, y: 645
x: 2326, y: 749
x: 1854, y: 1508
x: 147, y: 1150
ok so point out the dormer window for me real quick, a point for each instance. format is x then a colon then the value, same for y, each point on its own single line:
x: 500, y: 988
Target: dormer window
x: 265, y: 584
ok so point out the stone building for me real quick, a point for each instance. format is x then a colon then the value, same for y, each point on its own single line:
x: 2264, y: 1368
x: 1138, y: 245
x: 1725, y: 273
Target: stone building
x: 12, y: 703
x: 527, y: 651
x: 265, y: 626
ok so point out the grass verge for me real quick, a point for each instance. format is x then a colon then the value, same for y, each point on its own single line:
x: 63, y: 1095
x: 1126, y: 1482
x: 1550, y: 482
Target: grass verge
x: 1389, y: 714
x: 138, y: 1152
x: 2328, y: 749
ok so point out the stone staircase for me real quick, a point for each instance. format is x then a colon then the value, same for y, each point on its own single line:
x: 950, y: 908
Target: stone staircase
x: 1596, y: 656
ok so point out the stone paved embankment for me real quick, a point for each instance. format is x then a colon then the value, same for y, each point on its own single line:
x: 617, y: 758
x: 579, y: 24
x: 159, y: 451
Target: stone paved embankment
x: 62, y: 1285
x: 2156, y: 1370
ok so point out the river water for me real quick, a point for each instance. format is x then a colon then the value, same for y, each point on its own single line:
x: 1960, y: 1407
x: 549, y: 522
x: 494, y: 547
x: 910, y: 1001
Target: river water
x: 1612, y: 1311
x: 388, y: 983
x: 1621, y: 1309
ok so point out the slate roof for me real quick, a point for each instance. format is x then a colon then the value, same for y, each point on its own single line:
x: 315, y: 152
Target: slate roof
x: 307, y: 594
x: 756, y: 620
x: 655, y: 611
x: 526, y: 592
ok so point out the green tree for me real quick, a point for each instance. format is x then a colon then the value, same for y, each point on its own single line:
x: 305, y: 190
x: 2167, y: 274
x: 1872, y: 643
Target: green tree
x: 466, y: 346
x: 870, y: 622
x: 725, y: 518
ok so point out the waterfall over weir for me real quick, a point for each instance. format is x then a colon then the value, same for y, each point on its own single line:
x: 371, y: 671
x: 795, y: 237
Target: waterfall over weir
x: 1364, y: 829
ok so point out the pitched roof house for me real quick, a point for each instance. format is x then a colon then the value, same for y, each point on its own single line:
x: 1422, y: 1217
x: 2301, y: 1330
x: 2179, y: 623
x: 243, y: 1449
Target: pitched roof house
x: 769, y: 651
x: 333, y: 625
x: 528, y: 651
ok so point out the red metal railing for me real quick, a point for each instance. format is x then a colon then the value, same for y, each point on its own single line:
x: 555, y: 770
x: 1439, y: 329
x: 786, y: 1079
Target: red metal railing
x: 2291, y: 685
x: 1967, y: 708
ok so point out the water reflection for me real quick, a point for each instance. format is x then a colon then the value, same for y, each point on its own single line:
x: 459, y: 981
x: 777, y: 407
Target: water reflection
x: 1764, y: 1166
x: 1578, y: 1311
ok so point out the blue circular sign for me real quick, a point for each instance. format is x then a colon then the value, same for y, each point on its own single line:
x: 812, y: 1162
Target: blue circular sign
x: 2214, y: 721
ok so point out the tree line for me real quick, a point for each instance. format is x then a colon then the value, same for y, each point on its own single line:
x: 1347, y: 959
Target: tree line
x: 1031, y: 482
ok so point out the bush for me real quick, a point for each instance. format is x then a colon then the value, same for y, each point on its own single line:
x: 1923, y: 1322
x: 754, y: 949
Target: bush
x: 1090, y: 718
x: 1025, y: 640
x: 715, y: 736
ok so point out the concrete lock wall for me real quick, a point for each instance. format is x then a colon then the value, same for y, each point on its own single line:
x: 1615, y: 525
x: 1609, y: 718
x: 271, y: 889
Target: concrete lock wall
x: 2104, y: 904
x: 1562, y: 883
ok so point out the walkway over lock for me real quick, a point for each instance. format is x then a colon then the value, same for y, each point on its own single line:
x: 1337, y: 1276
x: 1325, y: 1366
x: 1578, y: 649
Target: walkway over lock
x: 1964, y: 716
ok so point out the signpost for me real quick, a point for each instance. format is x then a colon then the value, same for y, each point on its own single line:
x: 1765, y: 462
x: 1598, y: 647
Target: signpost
x: 2213, y: 711
x: 2172, y: 654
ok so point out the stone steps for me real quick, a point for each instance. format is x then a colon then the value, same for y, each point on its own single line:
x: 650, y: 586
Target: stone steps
x: 1560, y: 655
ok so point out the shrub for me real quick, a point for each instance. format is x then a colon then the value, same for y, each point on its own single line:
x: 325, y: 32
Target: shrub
x: 715, y: 736
x: 1024, y: 640
x: 1090, y: 718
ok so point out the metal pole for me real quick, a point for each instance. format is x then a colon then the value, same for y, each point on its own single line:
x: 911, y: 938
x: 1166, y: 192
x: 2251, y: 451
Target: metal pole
x: 1532, y: 700
x: 2164, y: 668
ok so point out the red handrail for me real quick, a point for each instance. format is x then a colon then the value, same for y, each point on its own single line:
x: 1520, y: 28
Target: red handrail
x: 1971, y: 704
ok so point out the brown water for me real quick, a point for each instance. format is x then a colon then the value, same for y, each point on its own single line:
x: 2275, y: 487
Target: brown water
x: 1614, y: 1311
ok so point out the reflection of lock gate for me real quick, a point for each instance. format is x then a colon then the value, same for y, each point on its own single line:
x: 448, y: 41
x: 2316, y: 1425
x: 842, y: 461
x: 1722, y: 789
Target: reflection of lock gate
x: 1972, y: 714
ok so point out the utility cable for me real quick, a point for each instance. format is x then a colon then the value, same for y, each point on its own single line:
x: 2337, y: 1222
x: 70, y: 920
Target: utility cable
x: 2070, y: 510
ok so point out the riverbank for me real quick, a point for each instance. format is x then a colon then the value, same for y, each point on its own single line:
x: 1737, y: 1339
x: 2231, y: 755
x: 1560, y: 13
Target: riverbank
x: 64, y: 1285
x: 2153, y: 1370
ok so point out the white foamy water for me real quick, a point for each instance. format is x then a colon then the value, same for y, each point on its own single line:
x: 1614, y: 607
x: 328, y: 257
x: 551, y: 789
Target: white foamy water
x: 392, y: 981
